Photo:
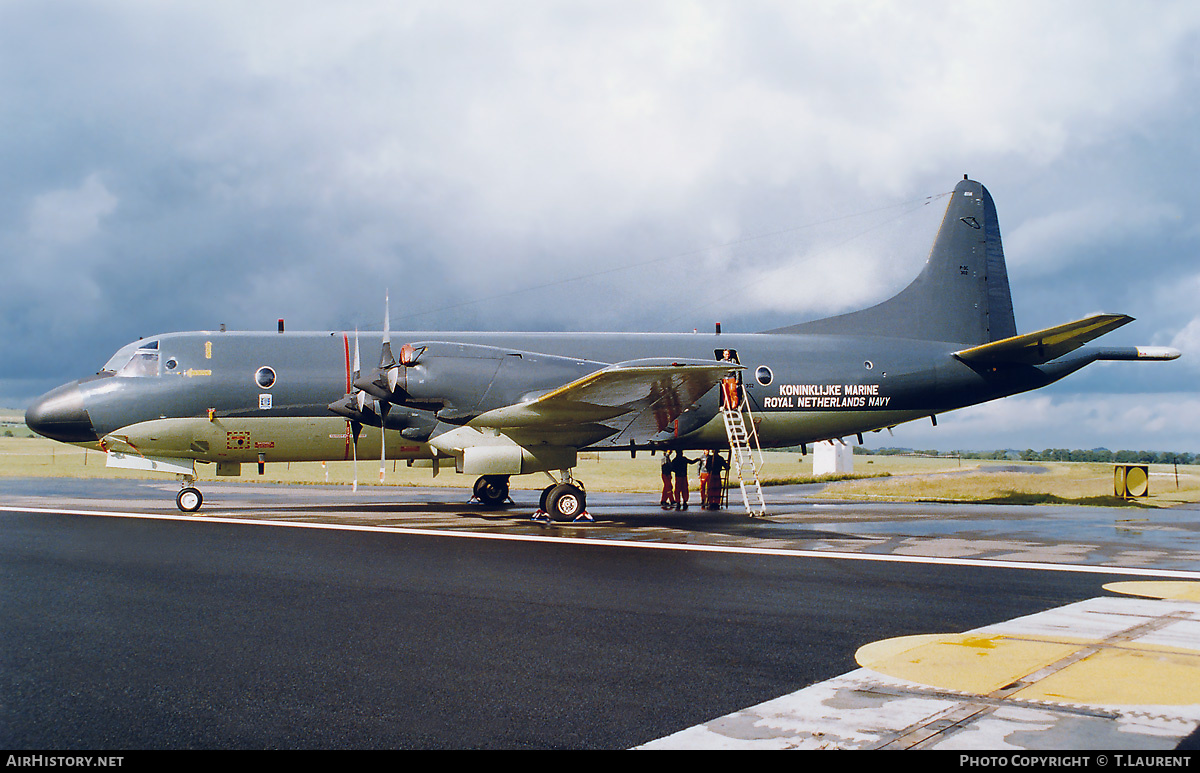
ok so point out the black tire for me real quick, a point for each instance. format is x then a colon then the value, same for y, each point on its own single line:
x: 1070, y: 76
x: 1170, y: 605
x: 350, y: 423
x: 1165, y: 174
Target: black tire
x: 492, y: 490
x: 566, y: 502
x: 544, y: 502
x: 189, y: 499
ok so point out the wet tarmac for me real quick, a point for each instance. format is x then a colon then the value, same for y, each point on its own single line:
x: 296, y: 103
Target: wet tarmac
x: 1126, y: 537
x: 136, y: 629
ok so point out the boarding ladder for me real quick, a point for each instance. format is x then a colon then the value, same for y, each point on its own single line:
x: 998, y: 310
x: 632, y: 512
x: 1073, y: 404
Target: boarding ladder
x: 742, y: 453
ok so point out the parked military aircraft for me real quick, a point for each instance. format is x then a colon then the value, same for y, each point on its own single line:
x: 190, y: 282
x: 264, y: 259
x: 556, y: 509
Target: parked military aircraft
x: 500, y: 404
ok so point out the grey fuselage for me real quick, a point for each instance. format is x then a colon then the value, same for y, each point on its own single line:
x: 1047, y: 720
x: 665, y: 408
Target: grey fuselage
x: 801, y: 388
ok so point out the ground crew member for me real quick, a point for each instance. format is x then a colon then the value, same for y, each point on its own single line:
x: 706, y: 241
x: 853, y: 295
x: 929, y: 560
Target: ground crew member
x: 680, y: 467
x: 668, y: 491
x: 731, y: 386
x: 704, y: 480
x: 711, y: 475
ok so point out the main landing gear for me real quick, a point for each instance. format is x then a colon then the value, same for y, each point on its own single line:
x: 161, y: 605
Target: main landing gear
x: 491, y: 490
x: 565, y: 501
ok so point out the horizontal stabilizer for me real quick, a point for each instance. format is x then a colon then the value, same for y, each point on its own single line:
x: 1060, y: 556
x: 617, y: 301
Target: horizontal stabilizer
x: 1044, y: 345
x: 667, y: 386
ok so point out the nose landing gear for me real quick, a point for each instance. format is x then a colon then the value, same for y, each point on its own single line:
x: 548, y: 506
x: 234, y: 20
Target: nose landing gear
x: 189, y: 497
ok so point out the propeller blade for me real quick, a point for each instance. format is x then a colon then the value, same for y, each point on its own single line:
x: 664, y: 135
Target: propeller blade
x: 386, y: 359
x: 384, y: 407
x: 355, y: 429
x: 357, y: 363
x: 381, y: 382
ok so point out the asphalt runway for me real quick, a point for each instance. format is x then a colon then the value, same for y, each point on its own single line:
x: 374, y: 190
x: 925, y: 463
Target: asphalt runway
x: 410, y: 618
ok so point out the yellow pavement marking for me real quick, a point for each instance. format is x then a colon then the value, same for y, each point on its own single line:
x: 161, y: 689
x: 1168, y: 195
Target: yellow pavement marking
x: 970, y: 663
x: 1127, y: 676
x: 1161, y: 589
x: 1116, y: 670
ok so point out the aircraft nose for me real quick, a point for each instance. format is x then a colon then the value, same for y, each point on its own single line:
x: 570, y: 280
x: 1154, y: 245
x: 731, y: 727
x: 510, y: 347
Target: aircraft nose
x: 60, y: 415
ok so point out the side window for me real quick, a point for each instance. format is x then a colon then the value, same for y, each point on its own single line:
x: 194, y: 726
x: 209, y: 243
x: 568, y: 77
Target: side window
x: 143, y: 364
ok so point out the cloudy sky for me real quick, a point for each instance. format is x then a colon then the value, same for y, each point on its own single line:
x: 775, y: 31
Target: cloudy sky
x: 601, y: 166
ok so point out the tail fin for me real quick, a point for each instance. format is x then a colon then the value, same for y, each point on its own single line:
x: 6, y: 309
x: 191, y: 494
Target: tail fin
x: 960, y: 296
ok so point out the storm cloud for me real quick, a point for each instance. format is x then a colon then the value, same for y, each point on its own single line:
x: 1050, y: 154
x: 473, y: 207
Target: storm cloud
x: 607, y: 165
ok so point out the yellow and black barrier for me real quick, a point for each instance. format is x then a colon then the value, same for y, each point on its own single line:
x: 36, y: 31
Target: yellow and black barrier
x: 1131, y: 480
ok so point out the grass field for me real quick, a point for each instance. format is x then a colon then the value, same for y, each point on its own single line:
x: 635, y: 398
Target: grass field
x: 893, y: 478
x: 1015, y: 483
x: 12, y: 423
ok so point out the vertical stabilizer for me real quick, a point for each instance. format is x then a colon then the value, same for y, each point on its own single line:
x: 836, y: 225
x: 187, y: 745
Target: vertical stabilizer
x: 960, y: 296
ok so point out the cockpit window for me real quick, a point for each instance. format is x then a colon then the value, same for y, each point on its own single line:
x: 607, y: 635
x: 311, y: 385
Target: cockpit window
x: 144, y: 363
x: 136, y: 360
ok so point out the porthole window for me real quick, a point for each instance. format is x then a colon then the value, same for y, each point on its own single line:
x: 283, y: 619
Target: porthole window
x: 265, y: 377
x: 763, y: 375
x: 868, y: 364
x: 171, y: 364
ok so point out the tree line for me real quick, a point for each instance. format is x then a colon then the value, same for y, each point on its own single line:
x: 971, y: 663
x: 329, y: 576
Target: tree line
x: 1053, y: 455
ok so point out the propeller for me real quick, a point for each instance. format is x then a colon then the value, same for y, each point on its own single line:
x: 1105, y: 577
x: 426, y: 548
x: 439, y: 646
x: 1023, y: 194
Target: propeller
x: 382, y: 384
x: 355, y: 408
x: 356, y: 426
x: 378, y: 384
x: 387, y: 363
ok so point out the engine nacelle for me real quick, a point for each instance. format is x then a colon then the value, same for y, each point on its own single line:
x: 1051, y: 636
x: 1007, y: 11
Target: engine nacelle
x: 515, y: 460
x: 460, y: 381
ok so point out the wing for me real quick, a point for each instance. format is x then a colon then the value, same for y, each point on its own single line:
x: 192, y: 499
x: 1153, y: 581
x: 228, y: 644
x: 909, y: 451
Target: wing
x: 1044, y: 345
x: 653, y: 392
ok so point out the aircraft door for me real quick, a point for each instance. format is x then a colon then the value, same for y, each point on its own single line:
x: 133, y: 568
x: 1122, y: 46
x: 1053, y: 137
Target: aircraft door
x: 731, y: 388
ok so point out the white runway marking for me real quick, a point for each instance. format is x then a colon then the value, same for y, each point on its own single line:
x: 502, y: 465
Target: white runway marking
x: 614, y: 543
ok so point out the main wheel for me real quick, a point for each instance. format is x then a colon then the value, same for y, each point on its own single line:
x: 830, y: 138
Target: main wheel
x: 544, y: 502
x: 566, y: 502
x: 492, y: 490
x: 189, y: 499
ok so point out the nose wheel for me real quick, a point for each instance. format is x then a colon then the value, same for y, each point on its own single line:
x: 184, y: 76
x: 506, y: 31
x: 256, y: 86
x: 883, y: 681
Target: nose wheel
x: 189, y: 499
